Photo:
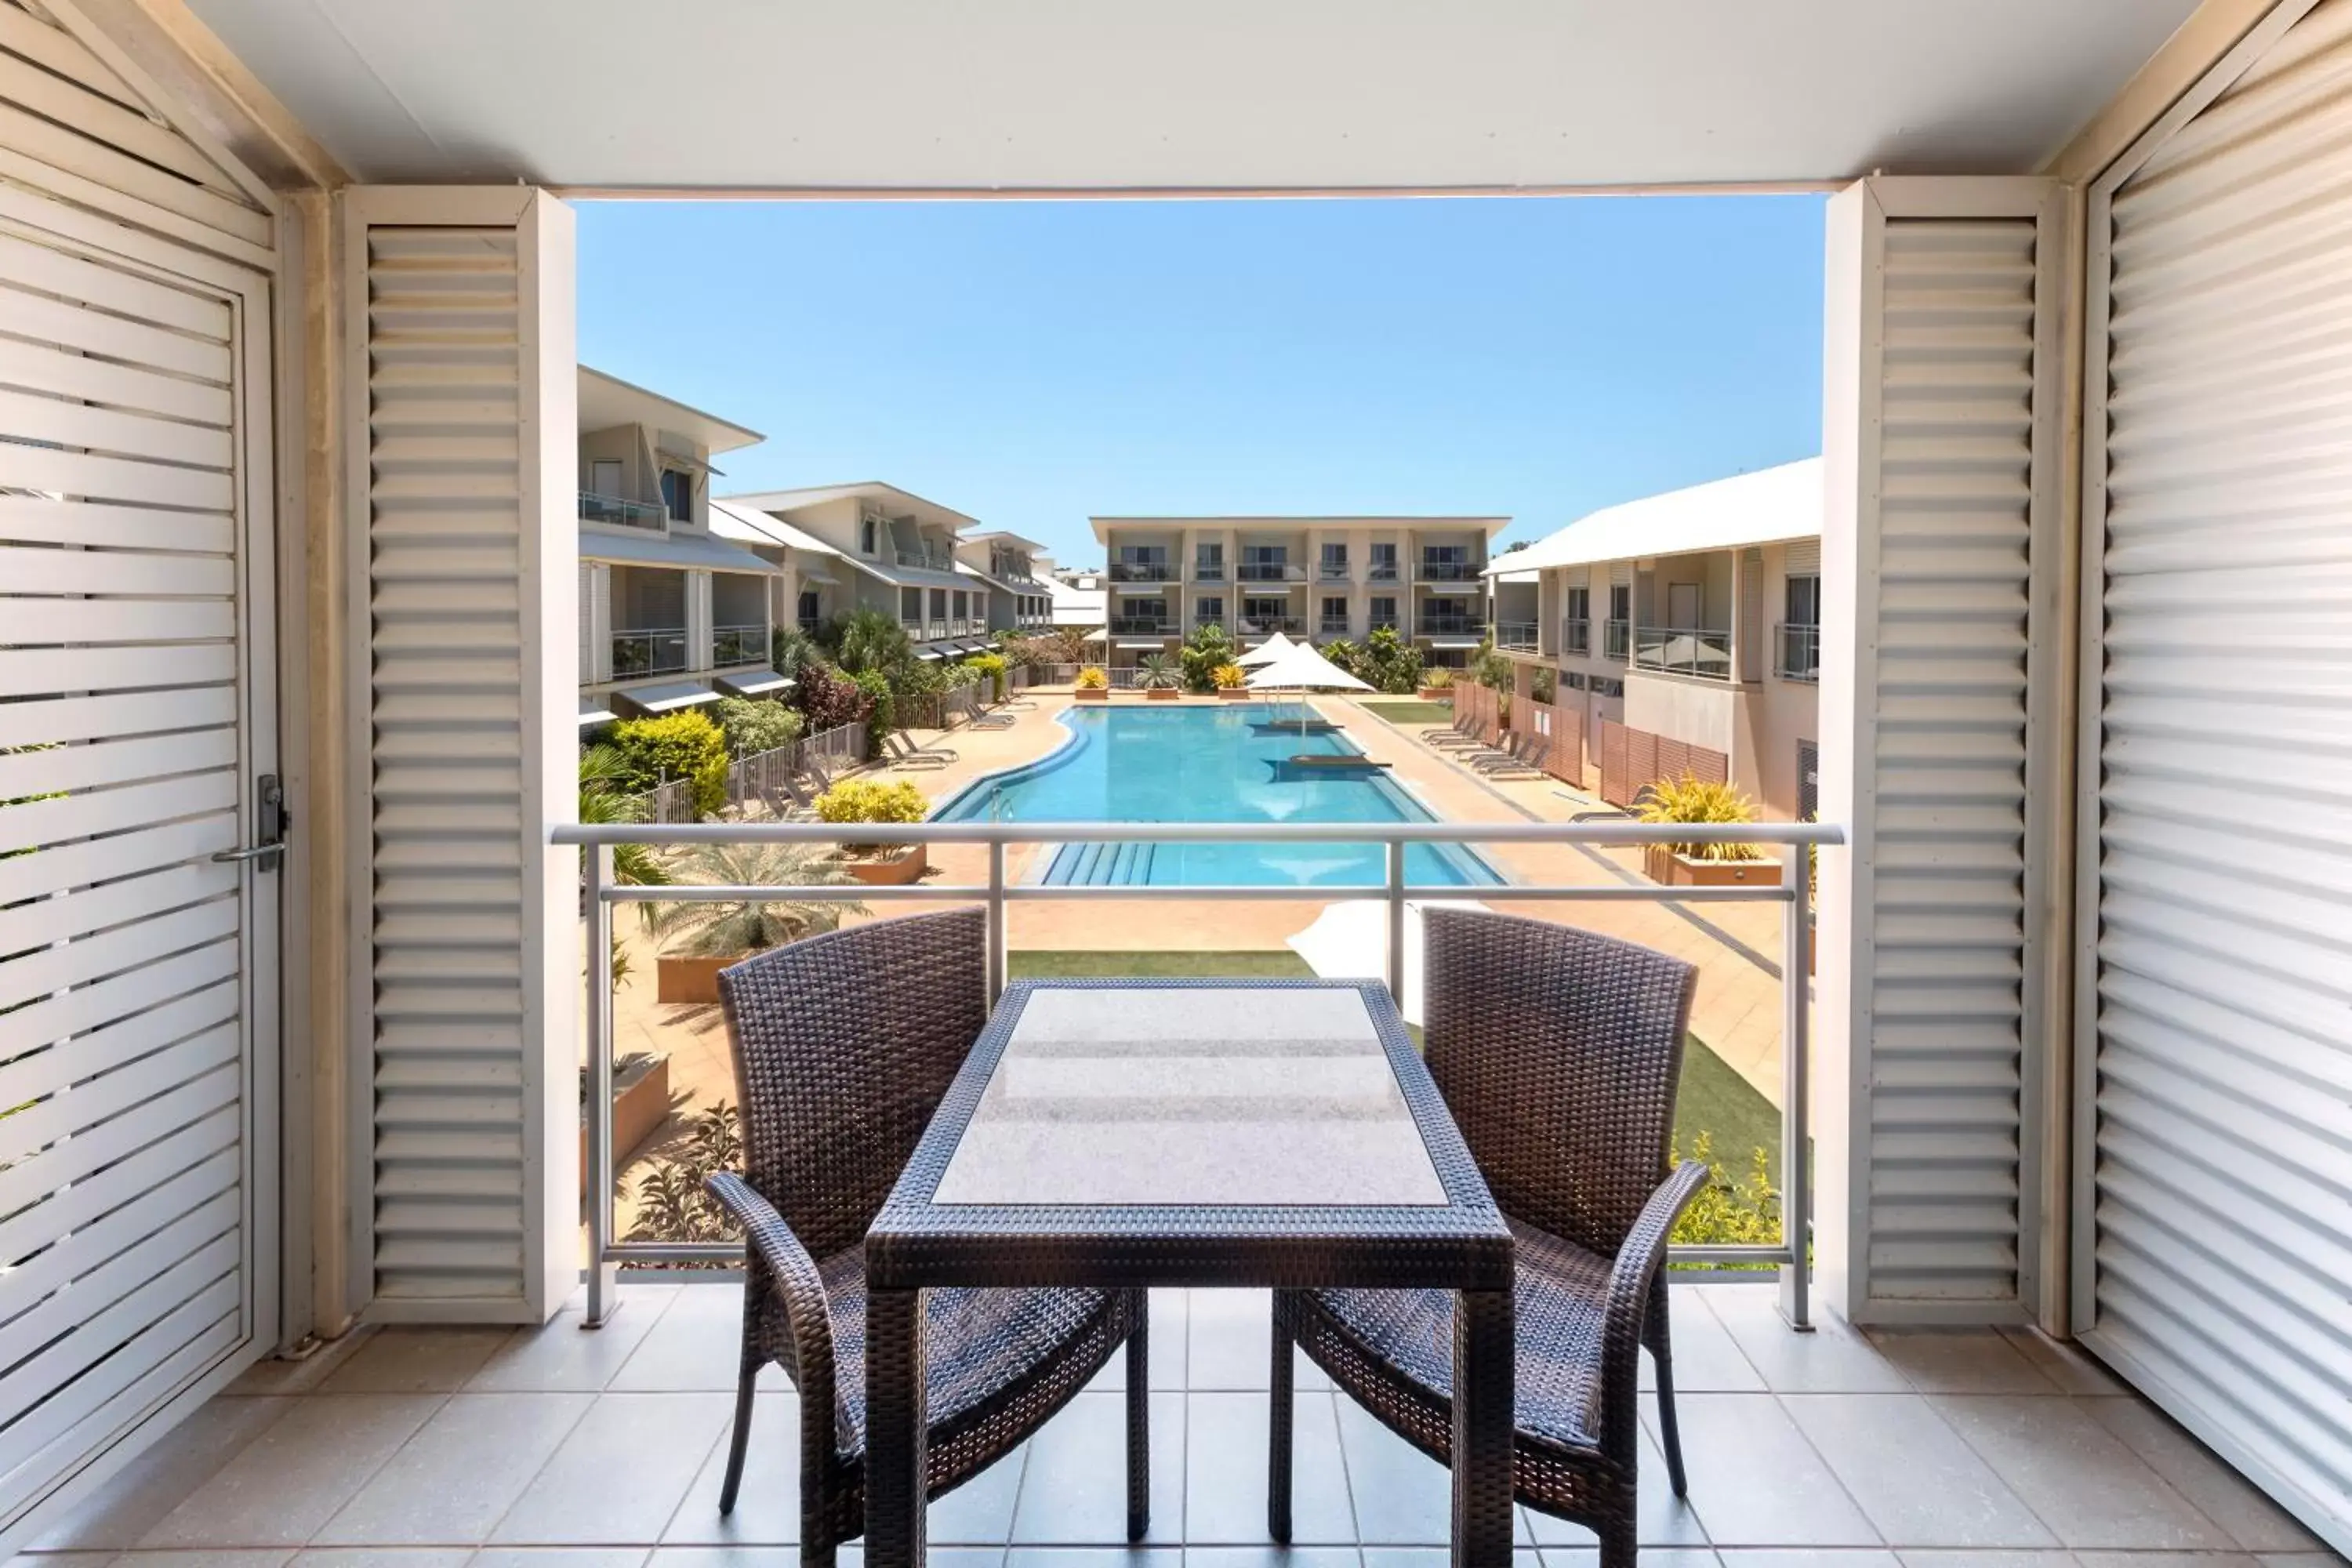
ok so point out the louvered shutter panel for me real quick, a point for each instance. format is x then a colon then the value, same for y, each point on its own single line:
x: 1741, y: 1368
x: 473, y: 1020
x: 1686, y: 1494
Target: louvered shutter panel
x: 1941, y: 457
x: 468, y: 444
x: 2220, y: 1237
x: 1804, y: 558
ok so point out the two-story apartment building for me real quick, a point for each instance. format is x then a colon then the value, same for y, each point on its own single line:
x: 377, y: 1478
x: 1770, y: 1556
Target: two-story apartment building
x: 670, y: 614
x: 1014, y: 569
x: 1694, y: 615
x: 1308, y: 577
x: 870, y: 546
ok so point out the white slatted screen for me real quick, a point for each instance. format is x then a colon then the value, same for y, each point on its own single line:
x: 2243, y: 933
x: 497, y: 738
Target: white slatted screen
x: 135, y: 1189
x: 471, y: 964
x: 2221, y: 1155
x: 1927, y: 994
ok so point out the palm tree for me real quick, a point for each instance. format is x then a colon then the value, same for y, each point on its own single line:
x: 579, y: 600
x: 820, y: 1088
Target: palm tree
x: 873, y: 639
x: 602, y: 801
x: 713, y: 930
x: 1158, y: 672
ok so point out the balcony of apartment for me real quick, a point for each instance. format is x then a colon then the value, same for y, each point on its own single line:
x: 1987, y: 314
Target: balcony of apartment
x: 1515, y: 636
x: 1449, y: 624
x: 1332, y: 626
x: 1340, y: 571
x: 739, y: 620
x: 1154, y: 624
x: 1209, y: 571
x: 1270, y: 572
x: 1616, y: 639
x: 924, y: 557
x: 1797, y: 651
x: 639, y: 651
x: 617, y: 512
x: 1447, y: 571
x: 1701, y: 652
x: 1251, y: 625
x: 1142, y: 571
x: 1576, y: 635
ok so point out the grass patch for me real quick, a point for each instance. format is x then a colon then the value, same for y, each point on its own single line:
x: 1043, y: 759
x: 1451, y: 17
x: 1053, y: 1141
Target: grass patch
x: 1714, y: 1099
x: 1414, y: 712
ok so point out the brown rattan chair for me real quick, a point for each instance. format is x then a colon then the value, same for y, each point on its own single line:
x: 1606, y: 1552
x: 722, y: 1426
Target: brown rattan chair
x: 1558, y: 1053
x: 845, y: 1044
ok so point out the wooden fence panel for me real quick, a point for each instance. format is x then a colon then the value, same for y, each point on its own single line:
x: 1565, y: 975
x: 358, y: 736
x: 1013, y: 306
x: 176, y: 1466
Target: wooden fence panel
x: 1631, y: 760
x: 1564, y: 760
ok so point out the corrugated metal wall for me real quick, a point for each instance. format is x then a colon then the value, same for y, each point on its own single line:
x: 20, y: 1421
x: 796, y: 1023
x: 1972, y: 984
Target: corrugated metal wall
x: 2221, y: 1225
x: 470, y: 665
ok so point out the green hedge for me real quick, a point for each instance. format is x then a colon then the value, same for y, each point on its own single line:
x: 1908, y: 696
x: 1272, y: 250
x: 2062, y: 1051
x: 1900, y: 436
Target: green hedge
x: 674, y: 746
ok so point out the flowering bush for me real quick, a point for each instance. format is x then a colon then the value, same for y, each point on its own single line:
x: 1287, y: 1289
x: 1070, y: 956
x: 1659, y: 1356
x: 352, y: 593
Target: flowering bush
x: 1093, y: 679
x: 870, y: 800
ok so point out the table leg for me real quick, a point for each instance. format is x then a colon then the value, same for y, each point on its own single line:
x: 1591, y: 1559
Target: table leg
x: 897, y: 1428
x: 1482, y: 1429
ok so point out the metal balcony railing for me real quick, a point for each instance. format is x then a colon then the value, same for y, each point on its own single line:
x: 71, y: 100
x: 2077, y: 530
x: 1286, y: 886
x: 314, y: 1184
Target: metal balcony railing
x: 1701, y: 651
x: 1382, y: 571
x: 1332, y: 572
x: 1143, y: 627
x: 1332, y: 626
x: 612, y: 510
x: 1616, y: 639
x: 1449, y: 625
x: 1517, y: 635
x: 1142, y: 571
x: 1450, y: 571
x: 1271, y: 572
x: 929, y: 560
x: 1576, y: 635
x: 1787, y: 885
x: 746, y: 643
x: 659, y: 652
x: 1797, y: 651
x: 1266, y: 625
x: 1208, y: 571
x: 913, y: 626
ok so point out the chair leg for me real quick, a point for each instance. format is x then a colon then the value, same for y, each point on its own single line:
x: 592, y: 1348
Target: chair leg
x: 1670, y: 1438
x: 1138, y: 1419
x: 744, y: 1385
x: 1280, y: 1395
x: 1618, y: 1547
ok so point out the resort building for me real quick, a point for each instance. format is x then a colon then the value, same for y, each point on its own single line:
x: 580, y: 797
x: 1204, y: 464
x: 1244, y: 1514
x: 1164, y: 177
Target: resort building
x: 1012, y: 570
x: 671, y: 614
x: 1318, y: 578
x: 1079, y: 598
x: 875, y: 546
x: 1693, y: 615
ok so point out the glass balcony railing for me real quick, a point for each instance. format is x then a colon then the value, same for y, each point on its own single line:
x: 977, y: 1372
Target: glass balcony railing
x: 1266, y: 625
x: 619, y: 513
x: 1701, y: 651
x: 1381, y: 571
x: 1142, y: 571
x: 1616, y: 639
x: 657, y: 652
x: 1208, y: 571
x: 1450, y: 571
x: 746, y: 643
x: 926, y: 560
x: 1576, y: 635
x: 1517, y: 635
x: 1332, y: 572
x: 1446, y: 624
x: 1332, y: 626
x: 1271, y: 572
x: 1143, y: 627
x: 1797, y: 651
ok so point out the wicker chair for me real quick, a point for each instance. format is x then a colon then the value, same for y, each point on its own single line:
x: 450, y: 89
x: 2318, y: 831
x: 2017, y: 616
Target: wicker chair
x: 1558, y: 1053
x: 845, y: 1045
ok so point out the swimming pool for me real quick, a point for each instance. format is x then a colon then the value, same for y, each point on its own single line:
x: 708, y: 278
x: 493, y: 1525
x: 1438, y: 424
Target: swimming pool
x: 1192, y: 762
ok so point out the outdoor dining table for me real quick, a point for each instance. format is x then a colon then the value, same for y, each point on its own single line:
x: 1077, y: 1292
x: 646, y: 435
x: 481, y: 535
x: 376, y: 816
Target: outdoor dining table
x: 1118, y: 1133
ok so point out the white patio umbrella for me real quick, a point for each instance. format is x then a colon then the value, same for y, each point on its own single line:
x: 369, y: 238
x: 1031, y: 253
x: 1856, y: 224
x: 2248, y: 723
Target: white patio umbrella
x: 1301, y: 669
x: 1267, y: 652
x: 1349, y: 941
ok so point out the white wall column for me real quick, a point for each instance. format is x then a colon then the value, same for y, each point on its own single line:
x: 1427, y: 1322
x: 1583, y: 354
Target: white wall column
x: 460, y: 423
x: 697, y: 620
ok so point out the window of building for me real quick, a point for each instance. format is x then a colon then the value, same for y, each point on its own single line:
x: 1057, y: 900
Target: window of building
x: 939, y: 603
x: 1608, y: 686
x: 1579, y: 603
x: 677, y: 494
x: 1574, y: 680
x: 1384, y: 608
x: 1335, y: 609
x: 1334, y: 557
x: 604, y: 476
x: 1209, y: 609
x: 910, y: 603
x: 1620, y: 602
x: 869, y: 535
x: 1804, y: 602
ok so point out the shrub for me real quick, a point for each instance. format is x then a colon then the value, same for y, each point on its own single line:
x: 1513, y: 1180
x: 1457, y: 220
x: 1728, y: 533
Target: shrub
x: 602, y: 801
x: 1205, y: 652
x: 1545, y: 686
x: 990, y: 666
x: 1229, y: 677
x: 1492, y: 670
x: 716, y: 930
x: 673, y: 1204
x: 1687, y: 799
x: 873, y: 639
x: 881, y: 708
x: 828, y: 699
x: 792, y: 650
x: 1387, y: 661
x: 1437, y: 678
x: 672, y: 746
x: 870, y: 800
x: 1728, y: 1211
x: 1093, y: 679
x: 1158, y: 672
x: 756, y: 724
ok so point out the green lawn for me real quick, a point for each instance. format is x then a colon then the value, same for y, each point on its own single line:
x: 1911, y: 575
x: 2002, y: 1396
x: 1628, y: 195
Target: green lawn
x: 1714, y: 1099
x: 1413, y: 710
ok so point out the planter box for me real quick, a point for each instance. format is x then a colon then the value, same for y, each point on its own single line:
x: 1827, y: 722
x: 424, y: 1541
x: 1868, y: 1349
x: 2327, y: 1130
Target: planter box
x: 690, y: 980
x: 1235, y: 694
x: 640, y: 1105
x: 892, y: 871
x: 1437, y: 694
x: 1094, y: 694
x: 1162, y: 693
x: 1668, y: 869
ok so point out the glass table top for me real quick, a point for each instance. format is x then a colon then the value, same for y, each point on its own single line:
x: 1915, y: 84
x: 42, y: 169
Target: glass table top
x: 1191, y: 1096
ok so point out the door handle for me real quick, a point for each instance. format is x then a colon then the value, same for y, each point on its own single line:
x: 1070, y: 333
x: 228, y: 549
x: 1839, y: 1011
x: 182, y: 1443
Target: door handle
x: 270, y: 821
x: 250, y: 852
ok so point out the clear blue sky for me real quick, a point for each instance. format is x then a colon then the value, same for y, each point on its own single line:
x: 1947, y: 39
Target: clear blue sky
x: 1033, y: 362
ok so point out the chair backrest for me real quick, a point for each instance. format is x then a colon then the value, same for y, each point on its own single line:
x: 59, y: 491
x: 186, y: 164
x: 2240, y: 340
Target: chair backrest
x: 1559, y: 1053
x: 845, y: 1044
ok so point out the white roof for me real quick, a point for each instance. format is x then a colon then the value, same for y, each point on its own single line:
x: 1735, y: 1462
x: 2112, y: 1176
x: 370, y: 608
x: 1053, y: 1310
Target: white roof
x: 1221, y: 95
x: 1761, y: 508
x: 864, y: 489
x: 1075, y: 606
x: 732, y: 520
x: 607, y: 400
x: 680, y: 549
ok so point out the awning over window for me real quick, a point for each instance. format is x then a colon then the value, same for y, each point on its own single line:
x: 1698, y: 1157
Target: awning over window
x: 1453, y: 642
x: 594, y: 712
x: 1140, y: 642
x: 683, y: 550
x: 754, y: 683
x: 930, y: 653
x: 668, y: 697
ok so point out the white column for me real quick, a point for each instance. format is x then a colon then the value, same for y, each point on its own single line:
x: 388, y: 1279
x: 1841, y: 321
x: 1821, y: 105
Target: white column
x: 697, y: 620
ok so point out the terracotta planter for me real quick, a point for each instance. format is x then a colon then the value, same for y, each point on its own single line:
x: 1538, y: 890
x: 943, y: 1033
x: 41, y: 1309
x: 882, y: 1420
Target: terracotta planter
x: 888, y: 871
x: 1162, y: 693
x: 1094, y: 694
x: 1235, y: 694
x: 690, y: 980
x: 1668, y: 869
x: 640, y: 1104
x: 1437, y: 694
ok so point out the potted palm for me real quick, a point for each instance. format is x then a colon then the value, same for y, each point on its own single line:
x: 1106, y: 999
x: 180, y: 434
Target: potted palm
x: 1094, y: 685
x: 1232, y: 682
x: 1690, y: 800
x: 1160, y: 678
x: 864, y: 800
x: 712, y: 936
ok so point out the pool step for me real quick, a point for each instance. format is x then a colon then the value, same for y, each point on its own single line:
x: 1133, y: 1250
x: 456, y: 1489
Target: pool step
x: 1101, y: 865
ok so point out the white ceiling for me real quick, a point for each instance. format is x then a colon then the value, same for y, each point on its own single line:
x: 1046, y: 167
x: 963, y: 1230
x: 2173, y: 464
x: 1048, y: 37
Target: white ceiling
x: 1188, y: 93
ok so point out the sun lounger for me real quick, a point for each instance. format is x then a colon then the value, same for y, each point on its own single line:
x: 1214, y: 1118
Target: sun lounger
x: 901, y: 753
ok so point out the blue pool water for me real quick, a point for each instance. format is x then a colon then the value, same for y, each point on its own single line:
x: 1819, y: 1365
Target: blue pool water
x: 1192, y: 763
